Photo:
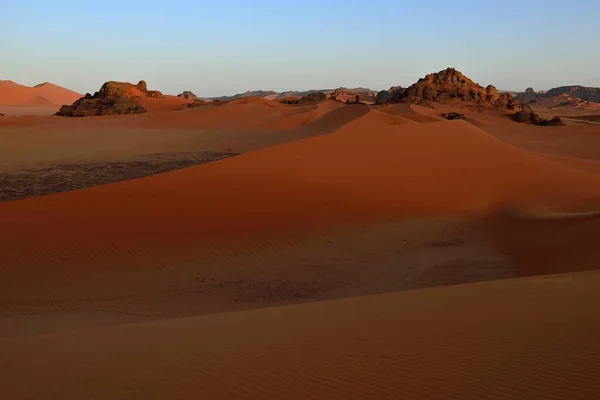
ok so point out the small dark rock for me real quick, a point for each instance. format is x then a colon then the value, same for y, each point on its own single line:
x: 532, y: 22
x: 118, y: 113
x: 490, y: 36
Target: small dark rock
x: 454, y: 115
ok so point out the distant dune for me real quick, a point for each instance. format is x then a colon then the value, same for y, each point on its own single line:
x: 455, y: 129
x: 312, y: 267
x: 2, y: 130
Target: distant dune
x: 45, y: 94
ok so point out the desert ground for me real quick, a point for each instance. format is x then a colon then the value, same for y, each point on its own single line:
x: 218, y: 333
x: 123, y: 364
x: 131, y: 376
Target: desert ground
x: 254, y: 249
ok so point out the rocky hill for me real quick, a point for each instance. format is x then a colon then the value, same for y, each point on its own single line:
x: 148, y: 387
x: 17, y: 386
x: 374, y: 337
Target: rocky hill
x: 567, y: 95
x: 581, y: 92
x: 364, y: 93
x: 446, y: 86
x: 113, y: 98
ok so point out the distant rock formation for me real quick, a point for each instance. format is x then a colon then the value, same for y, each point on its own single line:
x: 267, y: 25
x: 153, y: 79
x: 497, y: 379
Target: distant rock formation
x: 189, y: 96
x: 155, y: 94
x: 393, y: 94
x: 582, y: 92
x: 309, y: 98
x: 446, y: 86
x: 353, y: 95
x: 113, y: 98
x: 1, y: 115
x: 564, y: 96
x: 317, y: 96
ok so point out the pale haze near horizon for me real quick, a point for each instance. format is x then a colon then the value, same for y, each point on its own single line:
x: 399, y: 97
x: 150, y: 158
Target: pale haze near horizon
x: 225, y: 47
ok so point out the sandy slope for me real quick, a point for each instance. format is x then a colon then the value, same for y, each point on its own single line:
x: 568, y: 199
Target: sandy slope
x: 45, y: 94
x: 533, y: 338
x: 227, y: 228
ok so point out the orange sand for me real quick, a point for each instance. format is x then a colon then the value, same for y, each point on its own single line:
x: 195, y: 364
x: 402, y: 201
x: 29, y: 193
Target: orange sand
x: 334, y: 201
x: 534, y: 338
x: 13, y: 94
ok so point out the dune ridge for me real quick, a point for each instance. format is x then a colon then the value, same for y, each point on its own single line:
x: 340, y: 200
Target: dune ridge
x: 13, y: 94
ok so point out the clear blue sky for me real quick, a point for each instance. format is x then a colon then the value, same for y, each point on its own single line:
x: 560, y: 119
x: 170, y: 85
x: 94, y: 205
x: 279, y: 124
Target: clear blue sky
x: 222, y: 47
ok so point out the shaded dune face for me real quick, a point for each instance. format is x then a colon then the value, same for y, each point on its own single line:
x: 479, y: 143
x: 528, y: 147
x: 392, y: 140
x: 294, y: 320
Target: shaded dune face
x: 542, y: 243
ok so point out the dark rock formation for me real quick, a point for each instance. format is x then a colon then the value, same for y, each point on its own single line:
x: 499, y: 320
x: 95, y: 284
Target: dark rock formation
x: 584, y: 93
x: 529, y: 116
x: 1, y: 115
x: 454, y: 115
x: 113, y: 98
x: 142, y: 86
x: 393, y: 94
x: 447, y: 86
x: 522, y: 116
x: 311, y: 97
x: 154, y: 94
x: 556, y: 121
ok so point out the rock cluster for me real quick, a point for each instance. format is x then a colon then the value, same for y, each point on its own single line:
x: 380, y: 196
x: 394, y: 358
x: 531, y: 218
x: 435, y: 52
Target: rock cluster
x: 316, y: 96
x: 530, y: 116
x: 453, y: 115
x: 113, y: 98
x: 448, y: 85
x: 309, y: 98
x: 349, y: 96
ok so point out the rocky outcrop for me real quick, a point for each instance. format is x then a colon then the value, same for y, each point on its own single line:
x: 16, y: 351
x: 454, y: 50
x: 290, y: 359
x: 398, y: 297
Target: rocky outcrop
x: 142, y: 86
x: 113, y: 98
x: 530, y: 116
x: 189, y: 96
x: 449, y: 85
x: 155, y: 94
x: 311, y: 97
x: 582, y: 92
x: 393, y: 94
x: 453, y: 115
x: 563, y: 96
x: 345, y: 95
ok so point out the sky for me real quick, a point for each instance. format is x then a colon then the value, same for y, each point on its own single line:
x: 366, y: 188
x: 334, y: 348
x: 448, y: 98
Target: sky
x: 223, y: 47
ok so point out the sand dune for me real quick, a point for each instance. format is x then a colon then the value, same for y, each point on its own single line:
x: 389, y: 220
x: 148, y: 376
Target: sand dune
x: 122, y: 240
x: 13, y: 94
x: 532, y: 338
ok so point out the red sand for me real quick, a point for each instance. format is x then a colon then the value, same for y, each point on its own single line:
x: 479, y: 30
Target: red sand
x: 368, y: 196
x: 13, y: 94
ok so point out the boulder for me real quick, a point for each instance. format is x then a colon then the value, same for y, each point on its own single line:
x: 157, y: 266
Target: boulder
x: 454, y: 115
x: 522, y: 116
x: 142, y: 86
x: 154, y: 94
